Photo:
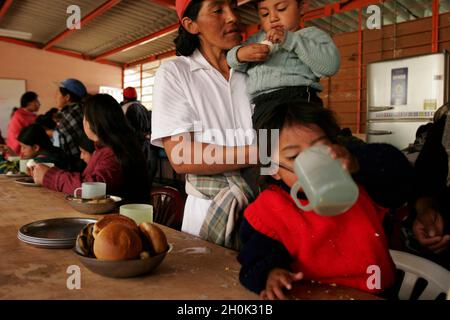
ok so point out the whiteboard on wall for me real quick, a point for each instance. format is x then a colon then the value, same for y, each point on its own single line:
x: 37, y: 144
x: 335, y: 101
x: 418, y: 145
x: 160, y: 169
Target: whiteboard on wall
x: 10, y: 92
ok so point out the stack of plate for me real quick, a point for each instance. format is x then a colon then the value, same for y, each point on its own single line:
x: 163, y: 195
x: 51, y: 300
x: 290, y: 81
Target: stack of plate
x: 53, y: 233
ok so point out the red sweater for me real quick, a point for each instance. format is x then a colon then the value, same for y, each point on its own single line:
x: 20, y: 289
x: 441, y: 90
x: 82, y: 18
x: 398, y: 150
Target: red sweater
x: 335, y: 249
x: 21, y: 119
x: 103, y: 167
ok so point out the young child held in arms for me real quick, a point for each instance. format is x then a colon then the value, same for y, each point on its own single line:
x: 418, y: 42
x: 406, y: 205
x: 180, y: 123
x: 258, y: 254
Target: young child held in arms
x: 282, y: 60
x: 282, y: 244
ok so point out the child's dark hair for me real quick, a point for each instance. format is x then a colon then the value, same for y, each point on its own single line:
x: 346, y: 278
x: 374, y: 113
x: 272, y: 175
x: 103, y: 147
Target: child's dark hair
x: 46, y: 121
x: 301, y: 3
x: 292, y: 112
x: 185, y: 42
x: 35, y: 134
x: 27, y: 97
x: 73, y: 97
x: 107, y: 121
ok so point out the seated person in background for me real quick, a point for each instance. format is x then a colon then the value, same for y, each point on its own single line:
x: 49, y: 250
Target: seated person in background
x: 87, y: 148
x: 69, y: 97
x: 430, y: 219
x: 35, y: 144
x: 2, y: 140
x: 282, y: 243
x: 117, y: 160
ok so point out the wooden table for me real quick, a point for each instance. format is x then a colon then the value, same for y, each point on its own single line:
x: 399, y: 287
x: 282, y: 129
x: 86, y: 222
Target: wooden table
x: 195, y: 269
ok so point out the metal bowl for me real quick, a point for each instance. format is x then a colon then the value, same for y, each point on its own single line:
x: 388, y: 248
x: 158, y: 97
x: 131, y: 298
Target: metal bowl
x: 123, y: 268
x: 94, y: 206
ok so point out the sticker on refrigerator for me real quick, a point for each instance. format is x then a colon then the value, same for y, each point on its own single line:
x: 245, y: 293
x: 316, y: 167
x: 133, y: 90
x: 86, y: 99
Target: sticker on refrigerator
x: 399, y: 86
x: 429, y: 104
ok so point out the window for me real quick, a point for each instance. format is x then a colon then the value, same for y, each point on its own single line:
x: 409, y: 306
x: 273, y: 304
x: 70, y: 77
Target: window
x: 116, y: 93
x: 142, y: 77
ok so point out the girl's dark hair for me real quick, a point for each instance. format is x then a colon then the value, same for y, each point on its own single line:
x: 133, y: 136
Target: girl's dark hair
x: 107, y: 121
x: 86, y: 144
x: 288, y: 113
x: 185, y: 42
x: 27, y: 97
x: 35, y: 134
x: 73, y: 97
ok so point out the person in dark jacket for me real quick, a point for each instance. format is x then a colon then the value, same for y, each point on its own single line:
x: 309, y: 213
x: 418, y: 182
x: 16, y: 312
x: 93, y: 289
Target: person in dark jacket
x: 140, y: 120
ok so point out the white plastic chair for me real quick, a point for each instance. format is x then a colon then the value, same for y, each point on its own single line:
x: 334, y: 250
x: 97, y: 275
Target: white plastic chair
x: 415, y: 267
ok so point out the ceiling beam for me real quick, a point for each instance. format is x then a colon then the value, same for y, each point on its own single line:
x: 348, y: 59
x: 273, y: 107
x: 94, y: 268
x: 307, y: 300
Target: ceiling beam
x: 86, y: 19
x: 151, y: 37
x: 151, y: 58
x: 338, y: 7
x: 56, y: 50
x: 5, y: 7
x: 165, y: 3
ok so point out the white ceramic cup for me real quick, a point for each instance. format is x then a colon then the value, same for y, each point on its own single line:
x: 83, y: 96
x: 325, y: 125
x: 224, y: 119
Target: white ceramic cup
x: 91, y: 190
x: 329, y: 188
x: 13, y: 158
x: 138, y: 212
x: 49, y: 164
x: 23, y: 165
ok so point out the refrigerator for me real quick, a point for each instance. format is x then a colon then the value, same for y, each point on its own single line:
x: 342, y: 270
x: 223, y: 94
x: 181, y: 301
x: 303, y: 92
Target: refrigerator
x: 403, y: 94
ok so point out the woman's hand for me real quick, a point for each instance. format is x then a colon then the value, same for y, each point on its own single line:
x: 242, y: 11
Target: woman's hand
x: 38, y: 173
x: 277, y: 280
x: 276, y: 35
x: 349, y: 162
x: 428, y: 227
x: 253, y: 53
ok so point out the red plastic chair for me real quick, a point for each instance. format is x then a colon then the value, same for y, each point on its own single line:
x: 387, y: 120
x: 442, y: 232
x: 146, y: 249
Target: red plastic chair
x: 168, y: 206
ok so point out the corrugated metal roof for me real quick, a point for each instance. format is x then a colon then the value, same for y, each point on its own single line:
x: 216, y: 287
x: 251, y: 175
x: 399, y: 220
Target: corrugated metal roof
x: 125, y: 22
x: 156, y: 47
x: 133, y: 19
x: 44, y: 19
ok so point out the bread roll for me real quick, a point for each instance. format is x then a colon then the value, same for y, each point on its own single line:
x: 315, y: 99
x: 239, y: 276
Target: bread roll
x: 102, y: 223
x: 155, y: 236
x: 117, y: 241
x: 85, y: 241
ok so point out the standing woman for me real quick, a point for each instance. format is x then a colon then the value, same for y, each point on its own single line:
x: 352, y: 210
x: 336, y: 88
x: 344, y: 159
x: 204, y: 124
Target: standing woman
x: 200, y: 104
x: 21, y: 118
x: 118, y: 159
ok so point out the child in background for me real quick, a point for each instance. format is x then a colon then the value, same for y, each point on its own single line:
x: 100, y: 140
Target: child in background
x: 46, y: 122
x: 290, y: 62
x: 35, y: 144
x: 282, y: 244
x: 87, y: 148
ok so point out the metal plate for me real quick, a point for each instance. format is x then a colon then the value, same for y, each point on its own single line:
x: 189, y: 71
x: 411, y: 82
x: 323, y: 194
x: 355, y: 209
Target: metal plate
x: 28, y: 181
x: 55, y: 233
x: 16, y: 175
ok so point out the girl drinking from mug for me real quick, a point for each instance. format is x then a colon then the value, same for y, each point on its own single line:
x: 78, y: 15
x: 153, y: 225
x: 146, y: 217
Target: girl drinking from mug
x: 117, y: 160
x: 35, y: 144
x: 283, y: 244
